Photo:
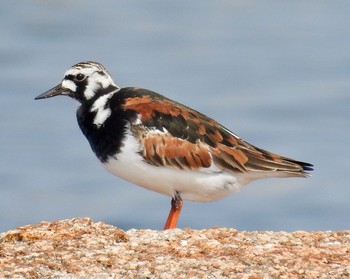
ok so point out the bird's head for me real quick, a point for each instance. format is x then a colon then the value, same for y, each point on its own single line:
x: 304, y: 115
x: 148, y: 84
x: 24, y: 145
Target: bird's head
x: 83, y: 81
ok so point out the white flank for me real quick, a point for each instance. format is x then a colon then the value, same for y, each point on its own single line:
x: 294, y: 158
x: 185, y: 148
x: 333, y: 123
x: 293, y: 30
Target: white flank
x: 102, y: 113
x: 200, y: 185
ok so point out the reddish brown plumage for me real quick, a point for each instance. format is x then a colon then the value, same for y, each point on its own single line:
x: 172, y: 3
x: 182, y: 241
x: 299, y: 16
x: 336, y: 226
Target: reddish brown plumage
x: 148, y: 106
x: 132, y: 130
x: 174, y: 135
x: 166, y: 150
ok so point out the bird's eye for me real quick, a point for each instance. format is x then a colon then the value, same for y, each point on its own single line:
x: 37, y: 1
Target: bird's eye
x: 79, y: 77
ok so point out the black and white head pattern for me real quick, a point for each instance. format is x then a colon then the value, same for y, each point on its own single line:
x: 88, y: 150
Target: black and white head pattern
x: 87, y: 80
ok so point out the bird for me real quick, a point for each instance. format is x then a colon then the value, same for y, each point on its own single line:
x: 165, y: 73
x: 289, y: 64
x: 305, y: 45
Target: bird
x: 162, y: 145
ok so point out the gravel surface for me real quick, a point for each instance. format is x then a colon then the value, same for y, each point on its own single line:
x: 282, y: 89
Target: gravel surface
x: 80, y: 248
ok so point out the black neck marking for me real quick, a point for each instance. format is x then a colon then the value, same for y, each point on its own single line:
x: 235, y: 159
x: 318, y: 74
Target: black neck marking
x: 106, y: 140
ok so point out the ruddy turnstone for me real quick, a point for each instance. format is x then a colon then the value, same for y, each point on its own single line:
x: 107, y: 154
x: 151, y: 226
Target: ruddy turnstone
x: 162, y: 145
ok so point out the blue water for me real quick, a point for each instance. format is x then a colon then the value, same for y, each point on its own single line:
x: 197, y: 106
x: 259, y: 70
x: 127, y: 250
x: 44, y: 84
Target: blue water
x: 277, y: 73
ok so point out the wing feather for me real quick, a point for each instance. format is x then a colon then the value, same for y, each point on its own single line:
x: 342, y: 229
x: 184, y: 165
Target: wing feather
x: 162, y: 149
x: 174, y: 135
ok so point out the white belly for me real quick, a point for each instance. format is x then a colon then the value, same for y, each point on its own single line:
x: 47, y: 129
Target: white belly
x: 202, y: 185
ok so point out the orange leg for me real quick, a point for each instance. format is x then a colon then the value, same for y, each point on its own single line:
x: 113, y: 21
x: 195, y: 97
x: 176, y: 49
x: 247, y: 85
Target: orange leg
x: 176, y: 206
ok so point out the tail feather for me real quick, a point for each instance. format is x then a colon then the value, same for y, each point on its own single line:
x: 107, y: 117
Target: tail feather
x: 260, y: 160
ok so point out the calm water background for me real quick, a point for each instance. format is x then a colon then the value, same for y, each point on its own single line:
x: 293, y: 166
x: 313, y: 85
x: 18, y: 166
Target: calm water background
x: 277, y: 73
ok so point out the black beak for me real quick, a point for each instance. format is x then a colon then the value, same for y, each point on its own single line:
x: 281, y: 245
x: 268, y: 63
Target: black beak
x: 56, y: 91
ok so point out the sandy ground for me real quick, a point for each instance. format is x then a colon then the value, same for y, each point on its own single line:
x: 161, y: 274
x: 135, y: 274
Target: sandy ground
x: 80, y: 248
